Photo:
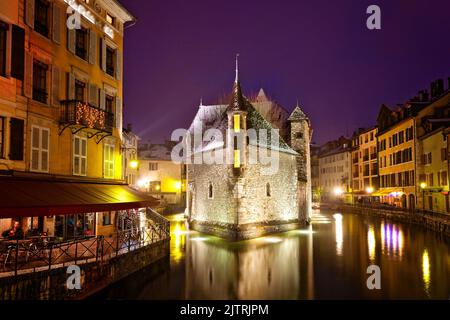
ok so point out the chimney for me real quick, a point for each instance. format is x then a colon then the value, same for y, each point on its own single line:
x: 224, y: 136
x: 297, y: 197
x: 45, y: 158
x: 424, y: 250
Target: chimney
x: 433, y: 89
x: 129, y: 127
x: 439, y: 87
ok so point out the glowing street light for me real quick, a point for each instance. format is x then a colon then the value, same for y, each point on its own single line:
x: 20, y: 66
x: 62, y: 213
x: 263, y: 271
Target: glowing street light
x: 369, y: 190
x: 338, y: 191
x: 134, y: 164
x: 423, y: 185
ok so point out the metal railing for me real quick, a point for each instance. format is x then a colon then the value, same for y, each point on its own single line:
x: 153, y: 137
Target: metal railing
x: 82, y: 113
x: 382, y: 206
x: 17, y: 256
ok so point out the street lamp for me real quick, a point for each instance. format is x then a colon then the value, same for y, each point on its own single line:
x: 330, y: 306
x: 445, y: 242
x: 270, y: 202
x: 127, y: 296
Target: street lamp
x: 423, y: 185
x: 369, y: 191
x: 338, y: 191
x: 134, y: 164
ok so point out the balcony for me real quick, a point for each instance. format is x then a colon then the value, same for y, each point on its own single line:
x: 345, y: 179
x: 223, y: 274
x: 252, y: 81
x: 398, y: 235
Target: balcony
x: 74, y: 112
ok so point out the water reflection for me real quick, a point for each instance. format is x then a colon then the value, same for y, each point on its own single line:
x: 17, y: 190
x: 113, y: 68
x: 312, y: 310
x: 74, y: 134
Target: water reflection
x: 371, y: 242
x: 327, y: 259
x: 338, y: 232
x: 426, y: 270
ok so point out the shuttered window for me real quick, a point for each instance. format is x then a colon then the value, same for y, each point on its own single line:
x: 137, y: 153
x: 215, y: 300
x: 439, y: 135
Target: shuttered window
x: 40, y: 142
x: 16, y: 139
x: 109, y: 161
x: 79, y: 156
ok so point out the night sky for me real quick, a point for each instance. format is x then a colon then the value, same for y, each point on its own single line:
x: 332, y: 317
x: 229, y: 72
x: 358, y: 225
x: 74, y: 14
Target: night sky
x: 317, y: 51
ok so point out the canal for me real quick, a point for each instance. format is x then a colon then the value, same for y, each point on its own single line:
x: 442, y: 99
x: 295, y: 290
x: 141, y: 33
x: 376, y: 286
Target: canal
x: 326, y: 260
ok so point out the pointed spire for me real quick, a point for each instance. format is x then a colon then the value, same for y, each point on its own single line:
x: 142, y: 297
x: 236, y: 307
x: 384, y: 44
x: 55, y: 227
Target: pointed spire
x: 201, y: 101
x: 237, y: 68
x: 237, y: 100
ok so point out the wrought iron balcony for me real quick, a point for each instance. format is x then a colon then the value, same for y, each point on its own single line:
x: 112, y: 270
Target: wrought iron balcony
x: 74, y: 112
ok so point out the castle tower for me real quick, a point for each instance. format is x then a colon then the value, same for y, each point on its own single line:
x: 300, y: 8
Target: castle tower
x: 237, y: 126
x: 300, y: 140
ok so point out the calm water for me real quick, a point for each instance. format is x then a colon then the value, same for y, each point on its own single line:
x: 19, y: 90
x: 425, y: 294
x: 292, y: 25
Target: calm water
x: 326, y: 260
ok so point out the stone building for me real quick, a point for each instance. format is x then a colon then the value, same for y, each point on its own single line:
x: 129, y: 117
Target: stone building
x: 238, y: 199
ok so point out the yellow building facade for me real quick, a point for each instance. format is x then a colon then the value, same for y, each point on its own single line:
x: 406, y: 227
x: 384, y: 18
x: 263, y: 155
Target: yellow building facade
x: 433, y: 172
x: 397, y: 167
x: 61, y: 96
x: 365, y: 163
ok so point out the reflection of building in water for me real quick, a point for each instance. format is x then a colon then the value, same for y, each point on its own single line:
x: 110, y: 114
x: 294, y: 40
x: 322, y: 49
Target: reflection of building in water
x: 392, y: 240
x: 258, y: 269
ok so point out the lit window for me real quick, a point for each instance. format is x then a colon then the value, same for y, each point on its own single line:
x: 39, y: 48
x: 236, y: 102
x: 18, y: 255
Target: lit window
x: 109, y: 19
x: 237, y: 123
x: 237, y: 158
x: 107, y: 221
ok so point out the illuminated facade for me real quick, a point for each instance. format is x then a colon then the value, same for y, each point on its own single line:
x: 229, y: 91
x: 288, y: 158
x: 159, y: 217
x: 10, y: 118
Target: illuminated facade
x: 162, y: 178
x: 401, y: 149
x: 335, y: 170
x: 235, y: 199
x: 365, y: 180
x: 61, y: 102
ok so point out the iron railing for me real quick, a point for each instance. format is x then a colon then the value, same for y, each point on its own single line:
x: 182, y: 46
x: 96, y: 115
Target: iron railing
x: 82, y: 113
x: 25, y: 256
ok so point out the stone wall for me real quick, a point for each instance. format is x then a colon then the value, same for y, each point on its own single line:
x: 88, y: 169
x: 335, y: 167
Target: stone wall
x: 282, y: 203
x: 222, y: 207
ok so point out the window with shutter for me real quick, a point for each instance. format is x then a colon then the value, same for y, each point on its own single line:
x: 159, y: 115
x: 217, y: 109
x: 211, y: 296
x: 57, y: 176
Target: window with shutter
x: 109, y: 161
x: 16, y: 139
x: 79, y: 156
x: 39, y: 149
x: 56, y: 23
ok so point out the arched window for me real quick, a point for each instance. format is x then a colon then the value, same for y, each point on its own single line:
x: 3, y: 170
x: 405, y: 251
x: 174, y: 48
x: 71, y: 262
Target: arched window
x: 210, y: 191
x: 268, y: 192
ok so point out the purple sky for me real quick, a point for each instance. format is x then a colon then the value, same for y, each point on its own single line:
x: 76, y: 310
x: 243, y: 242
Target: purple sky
x: 317, y: 51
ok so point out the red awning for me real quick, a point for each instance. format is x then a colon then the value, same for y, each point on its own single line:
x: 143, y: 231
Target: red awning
x: 46, y: 198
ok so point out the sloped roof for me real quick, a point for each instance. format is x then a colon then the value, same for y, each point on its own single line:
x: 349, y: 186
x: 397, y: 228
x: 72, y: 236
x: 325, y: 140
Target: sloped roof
x: 298, y: 114
x: 215, y: 117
